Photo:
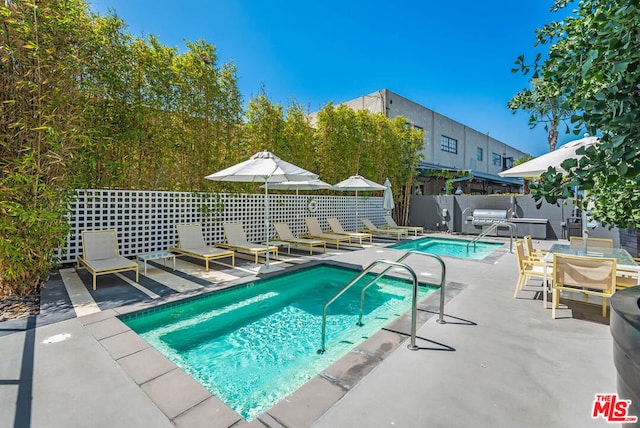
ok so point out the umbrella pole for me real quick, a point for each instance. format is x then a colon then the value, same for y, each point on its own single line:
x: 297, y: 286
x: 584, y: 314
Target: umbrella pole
x: 266, y: 219
x: 583, y: 215
x: 356, y: 209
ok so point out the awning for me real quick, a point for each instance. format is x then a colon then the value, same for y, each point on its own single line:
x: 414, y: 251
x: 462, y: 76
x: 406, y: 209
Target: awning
x: 485, y: 176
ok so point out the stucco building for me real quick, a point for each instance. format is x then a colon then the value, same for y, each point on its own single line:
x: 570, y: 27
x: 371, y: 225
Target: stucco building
x: 468, y: 159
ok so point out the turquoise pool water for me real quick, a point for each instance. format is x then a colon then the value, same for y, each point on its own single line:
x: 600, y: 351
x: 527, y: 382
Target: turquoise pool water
x: 450, y: 247
x: 251, y: 346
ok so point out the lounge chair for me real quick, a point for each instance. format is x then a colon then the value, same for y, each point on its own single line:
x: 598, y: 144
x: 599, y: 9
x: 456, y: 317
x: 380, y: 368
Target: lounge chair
x: 372, y: 228
x: 586, y: 275
x: 191, y: 243
x: 315, y: 231
x: 236, y: 239
x: 391, y: 224
x: 336, y: 227
x: 285, y: 234
x: 100, y: 254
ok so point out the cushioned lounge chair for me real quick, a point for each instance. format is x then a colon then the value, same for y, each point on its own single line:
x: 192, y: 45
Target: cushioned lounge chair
x: 369, y: 227
x: 236, y: 239
x: 586, y: 275
x: 391, y: 224
x: 336, y: 227
x: 285, y: 235
x: 191, y: 243
x: 315, y: 231
x: 100, y: 254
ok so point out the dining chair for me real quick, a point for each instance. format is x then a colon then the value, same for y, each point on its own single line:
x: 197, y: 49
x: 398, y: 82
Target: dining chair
x: 530, y: 250
x: 586, y: 275
x: 578, y: 242
x: 528, y: 268
x: 628, y: 276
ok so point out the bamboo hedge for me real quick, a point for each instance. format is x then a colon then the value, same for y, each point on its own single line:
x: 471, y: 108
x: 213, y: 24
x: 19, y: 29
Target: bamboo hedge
x: 85, y: 104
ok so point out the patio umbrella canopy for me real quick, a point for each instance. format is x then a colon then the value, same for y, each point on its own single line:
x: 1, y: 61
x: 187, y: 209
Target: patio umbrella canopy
x: 537, y: 166
x: 358, y: 183
x: 267, y: 168
x: 387, y: 203
x: 300, y: 185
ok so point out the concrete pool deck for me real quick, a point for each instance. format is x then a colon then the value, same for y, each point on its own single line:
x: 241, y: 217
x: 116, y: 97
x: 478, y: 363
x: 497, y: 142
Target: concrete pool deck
x: 498, y: 361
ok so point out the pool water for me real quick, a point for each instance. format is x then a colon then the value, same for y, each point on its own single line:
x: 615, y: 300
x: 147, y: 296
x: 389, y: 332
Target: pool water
x: 251, y: 346
x: 450, y: 247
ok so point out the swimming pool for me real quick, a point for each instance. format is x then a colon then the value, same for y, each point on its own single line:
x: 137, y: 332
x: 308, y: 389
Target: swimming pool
x: 450, y: 247
x: 253, y: 345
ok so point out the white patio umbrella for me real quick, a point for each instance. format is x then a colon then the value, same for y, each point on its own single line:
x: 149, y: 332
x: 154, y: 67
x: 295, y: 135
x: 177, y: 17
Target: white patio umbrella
x: 537, y: 166
x: 358, y: 183
x: 267, y: 168
x: 387, y: 203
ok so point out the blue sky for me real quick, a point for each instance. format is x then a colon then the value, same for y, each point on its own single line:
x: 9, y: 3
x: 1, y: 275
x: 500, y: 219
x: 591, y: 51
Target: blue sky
x: 452, y: 57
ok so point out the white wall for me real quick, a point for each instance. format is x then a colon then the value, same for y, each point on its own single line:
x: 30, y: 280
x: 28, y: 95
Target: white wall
x: 145, y: 220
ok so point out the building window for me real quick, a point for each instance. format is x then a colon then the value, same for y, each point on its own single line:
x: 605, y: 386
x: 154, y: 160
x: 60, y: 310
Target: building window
x: 507, y: 162
x: 448, y: 144
x: 496, y: 159
x: 479, y: 156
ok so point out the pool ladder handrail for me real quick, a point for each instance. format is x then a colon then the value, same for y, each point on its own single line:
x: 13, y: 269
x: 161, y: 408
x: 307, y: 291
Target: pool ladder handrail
x: 512, y: 233
x: 414, y: 301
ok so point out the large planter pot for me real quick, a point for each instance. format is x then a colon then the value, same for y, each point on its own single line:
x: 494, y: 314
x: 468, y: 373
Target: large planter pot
x: 625, y: 329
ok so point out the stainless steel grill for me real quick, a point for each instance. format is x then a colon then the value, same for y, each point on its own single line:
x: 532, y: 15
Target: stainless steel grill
x: 481, y: 217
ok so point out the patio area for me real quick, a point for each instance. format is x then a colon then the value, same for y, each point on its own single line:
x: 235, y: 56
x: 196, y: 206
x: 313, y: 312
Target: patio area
x: 498, y: 361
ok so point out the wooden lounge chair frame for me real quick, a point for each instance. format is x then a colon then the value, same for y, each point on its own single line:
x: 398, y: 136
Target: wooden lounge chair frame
x: 236, y: 239
x: 284, y: 234
x: 191, y: 243
x: 336, y: 227
x: 101, y: 255
x: 586, y: 275
x: 369, y: 227
x: 391, y: 224
x: 315, y: 231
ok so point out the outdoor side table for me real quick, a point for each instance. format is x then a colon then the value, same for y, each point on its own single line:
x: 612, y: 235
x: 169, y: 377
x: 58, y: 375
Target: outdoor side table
x: 281, y: 244
x: 155, y: 255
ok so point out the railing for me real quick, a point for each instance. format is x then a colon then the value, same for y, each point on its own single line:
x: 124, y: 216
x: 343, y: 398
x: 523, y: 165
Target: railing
x: 407, y: 254
x: 492, y: 227
x: 414, y: 302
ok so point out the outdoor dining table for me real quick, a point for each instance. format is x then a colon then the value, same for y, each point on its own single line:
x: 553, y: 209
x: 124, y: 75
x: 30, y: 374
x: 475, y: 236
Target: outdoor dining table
x: 622, y: 256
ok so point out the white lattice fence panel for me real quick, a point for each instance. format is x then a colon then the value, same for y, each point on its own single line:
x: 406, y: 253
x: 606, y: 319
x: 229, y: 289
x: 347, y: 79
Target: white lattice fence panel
x: 146, y: 220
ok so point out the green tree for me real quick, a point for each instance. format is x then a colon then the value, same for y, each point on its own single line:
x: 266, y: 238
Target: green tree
x: 40, y: 127
x: 545, y: 104
x: 338, y: 142
x: 298, y: 141
x: 594, y: 56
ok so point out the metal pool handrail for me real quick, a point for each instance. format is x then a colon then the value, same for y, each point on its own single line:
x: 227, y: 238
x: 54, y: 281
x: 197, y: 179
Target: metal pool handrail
x: 414, y: 302
x: 443, y: 274
x: 491, y: 228
x: 407, y: 254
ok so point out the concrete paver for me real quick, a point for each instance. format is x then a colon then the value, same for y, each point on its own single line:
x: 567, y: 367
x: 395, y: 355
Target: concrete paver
x: 498, y: 361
